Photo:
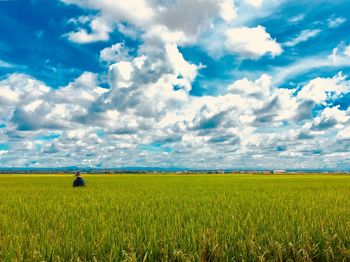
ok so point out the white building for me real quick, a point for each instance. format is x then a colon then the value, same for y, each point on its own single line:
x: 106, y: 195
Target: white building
x: 279, y: 171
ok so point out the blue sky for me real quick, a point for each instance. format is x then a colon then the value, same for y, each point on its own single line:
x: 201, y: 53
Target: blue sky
x: 197, y: 84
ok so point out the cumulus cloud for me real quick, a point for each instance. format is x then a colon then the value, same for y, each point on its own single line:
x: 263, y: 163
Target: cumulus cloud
x: 154, y: 18
x: 330, y: 117
x: 320, y: 90
x: 100, y: 30
x: 340, y: 54
x: 259, y: 89
x: 115, y: 53
x: 136, y: 12
x: 344, y: 134
x: 149, y: 118
x: 251, y: 42
x: 31, y: 105
x: 228, y: 11
x: 157, y: 21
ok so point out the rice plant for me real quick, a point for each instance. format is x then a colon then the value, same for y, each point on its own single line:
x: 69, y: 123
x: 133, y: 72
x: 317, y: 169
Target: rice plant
x: 175, y: 218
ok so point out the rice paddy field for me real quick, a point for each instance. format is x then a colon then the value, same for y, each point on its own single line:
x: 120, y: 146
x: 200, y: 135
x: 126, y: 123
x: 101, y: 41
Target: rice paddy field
x: 175, y: 218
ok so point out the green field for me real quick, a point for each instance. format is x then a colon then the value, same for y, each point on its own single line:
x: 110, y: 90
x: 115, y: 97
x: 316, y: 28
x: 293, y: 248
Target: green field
x: 174, y: 217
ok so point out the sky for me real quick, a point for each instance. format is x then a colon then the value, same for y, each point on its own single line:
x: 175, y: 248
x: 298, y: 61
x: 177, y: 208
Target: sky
x: 202, y: 84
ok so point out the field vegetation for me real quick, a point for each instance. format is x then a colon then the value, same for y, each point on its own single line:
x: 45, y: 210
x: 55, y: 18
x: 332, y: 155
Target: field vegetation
x: 175, y: 218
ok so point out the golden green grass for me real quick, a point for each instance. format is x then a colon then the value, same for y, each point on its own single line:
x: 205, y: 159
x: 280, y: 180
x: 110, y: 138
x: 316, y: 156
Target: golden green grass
x: 175, y: 218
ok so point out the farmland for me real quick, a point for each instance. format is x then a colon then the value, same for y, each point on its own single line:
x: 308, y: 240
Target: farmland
x: 175, y: 217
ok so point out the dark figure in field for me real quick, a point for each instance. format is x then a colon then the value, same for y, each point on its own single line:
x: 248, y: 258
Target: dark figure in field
x: 79, y: 180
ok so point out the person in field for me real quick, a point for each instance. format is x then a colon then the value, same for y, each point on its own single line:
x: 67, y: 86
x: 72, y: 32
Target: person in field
x: 79, y: 180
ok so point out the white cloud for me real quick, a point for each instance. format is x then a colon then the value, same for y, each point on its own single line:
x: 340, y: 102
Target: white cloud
x: 151, y: 17
x: 161, y: 32
x: 34, y: 106
x: 82, y: 90
x: 3, y: 152
x: 330, y: 117
x: 255, y: 3
x: 151, y: 111
x: 100, y: 32
x: 13, y: 93
x: 115, y: 53
x: 228, y: 11
x: 182, y: 68
x: 320, y: 90
x: 335, y: 22
x: 304, y: 36
x: 340, y: 54
x: 337, y: 59
x: 260, y: 88
x: 137, y: 11
x: 120, y: 74
x: 344, y: 134
x: 251, y: 42
x: 8, y: 96
x: 5, y: 64
x: 296, y: 19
